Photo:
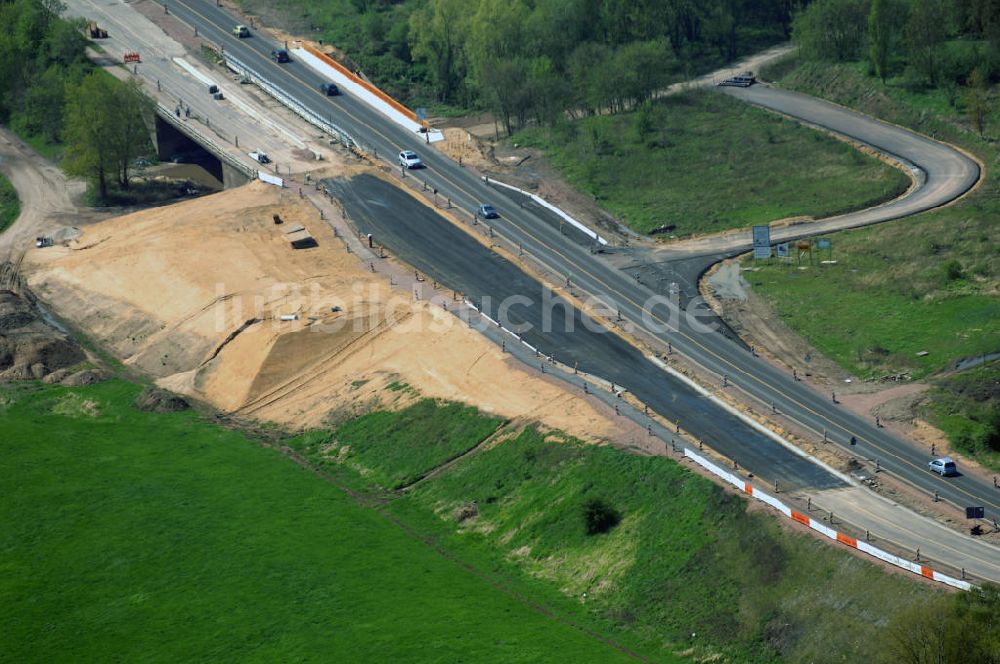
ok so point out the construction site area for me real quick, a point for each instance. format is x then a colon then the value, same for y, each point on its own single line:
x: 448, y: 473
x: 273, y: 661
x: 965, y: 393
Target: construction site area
x: 213, y: 299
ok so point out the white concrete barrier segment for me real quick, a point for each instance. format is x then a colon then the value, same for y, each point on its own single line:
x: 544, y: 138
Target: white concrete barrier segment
x: 545, y: 204
x: 271, y: 179
x: 189, y: 68
x: 353, y: 88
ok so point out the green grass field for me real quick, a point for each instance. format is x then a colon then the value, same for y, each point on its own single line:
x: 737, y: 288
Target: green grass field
x: 10, y: 207
x: 133, y: 536
x: 704, y: 162
x: 888, y: 298
x: 163, y: 537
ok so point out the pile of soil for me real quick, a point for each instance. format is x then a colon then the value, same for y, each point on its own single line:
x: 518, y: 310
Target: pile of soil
x: 192, y: 294
x: 29, y: 348
x: 155, y: 400
x: 84, y: 377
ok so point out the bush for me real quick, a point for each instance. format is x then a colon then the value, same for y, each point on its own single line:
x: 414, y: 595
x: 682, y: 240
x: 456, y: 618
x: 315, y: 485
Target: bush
x: 599, y: 517
x: 953, y: 270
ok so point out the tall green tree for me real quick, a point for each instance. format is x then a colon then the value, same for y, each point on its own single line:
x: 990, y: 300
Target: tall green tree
x: 504, y: 86
x: 885, y: 22
x: 831, y: 29
x: 107, y: 128
x: 643, y: 68
x: 438, y: 34
x: 975, y: 99
x: 925, y: 33
x: 592, y: 74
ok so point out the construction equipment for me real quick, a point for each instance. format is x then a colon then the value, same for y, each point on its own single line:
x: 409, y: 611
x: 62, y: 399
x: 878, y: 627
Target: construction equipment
x: 741, y: 80
x: 95, y: 32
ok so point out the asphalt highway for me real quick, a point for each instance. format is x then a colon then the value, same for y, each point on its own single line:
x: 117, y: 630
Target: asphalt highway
x: 637, y: 302
x: 439, y: 249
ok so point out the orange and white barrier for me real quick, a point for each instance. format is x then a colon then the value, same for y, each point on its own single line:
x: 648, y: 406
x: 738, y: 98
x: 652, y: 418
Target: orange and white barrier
x: 805, y: 520
x: 357, y: 86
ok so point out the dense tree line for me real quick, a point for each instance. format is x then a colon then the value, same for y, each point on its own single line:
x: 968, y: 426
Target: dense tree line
x: 40, y: 55
x: 49, y: 91
x: 954, y: 628
x: 533, y: 59
x: 938, y: 43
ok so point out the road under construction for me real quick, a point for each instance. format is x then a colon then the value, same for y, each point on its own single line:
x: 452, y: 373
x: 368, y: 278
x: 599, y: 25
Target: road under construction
x: 440, y: 247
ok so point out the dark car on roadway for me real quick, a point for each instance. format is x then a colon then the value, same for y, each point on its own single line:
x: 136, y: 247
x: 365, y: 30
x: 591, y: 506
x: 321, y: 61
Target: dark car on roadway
x: 487, y: 211
x: 280, y: 55
x: 329, y: 89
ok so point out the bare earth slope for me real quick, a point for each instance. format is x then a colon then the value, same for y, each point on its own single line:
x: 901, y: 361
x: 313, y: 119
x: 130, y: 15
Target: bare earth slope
x: 193, y: 294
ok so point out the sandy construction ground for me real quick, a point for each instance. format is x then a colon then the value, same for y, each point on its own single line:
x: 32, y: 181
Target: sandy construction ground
x: 194, y: 294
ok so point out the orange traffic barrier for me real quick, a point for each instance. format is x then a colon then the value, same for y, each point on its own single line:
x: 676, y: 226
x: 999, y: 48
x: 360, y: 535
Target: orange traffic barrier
x: 363, y: 83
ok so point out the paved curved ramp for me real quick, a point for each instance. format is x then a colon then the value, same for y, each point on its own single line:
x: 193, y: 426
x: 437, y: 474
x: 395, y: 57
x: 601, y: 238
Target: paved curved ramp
x: 943, y: 173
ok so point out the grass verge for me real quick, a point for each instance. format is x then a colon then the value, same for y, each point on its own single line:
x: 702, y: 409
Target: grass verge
x: 967, y: 407
x: 702, y: 162
x: 10, y: 206
x: 393, y: 450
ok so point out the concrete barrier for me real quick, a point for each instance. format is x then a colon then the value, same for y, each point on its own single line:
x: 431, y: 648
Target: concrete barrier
x: 270, y: 179
x: 806, y: 520
x: 357, y: 86
x: 545, y: 204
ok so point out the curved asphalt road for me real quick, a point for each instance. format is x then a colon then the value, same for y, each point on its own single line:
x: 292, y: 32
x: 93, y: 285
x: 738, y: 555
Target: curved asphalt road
x: 943, y: 173
x: 596, y: 275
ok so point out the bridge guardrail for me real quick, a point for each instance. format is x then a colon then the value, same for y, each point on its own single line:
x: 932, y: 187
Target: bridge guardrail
x: 309, y: 116
x: 218, y: 150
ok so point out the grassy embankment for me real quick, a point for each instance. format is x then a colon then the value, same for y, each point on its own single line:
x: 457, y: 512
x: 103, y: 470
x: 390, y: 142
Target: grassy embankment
x: 164, y: 536
x: 704, y: 162
x: 10, y: 206
x: 927, y: 283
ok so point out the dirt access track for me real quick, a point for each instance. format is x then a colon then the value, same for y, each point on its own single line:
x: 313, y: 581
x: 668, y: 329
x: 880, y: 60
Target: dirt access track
x: 194, y: 294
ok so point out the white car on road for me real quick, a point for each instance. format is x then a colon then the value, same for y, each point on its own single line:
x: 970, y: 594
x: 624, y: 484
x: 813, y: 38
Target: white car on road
x: 408, y: 159
x: 945, y: 466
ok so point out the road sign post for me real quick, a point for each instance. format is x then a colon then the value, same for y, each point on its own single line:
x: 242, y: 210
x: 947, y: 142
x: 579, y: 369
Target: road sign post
x: 761, y: 242
x: 975, y: 512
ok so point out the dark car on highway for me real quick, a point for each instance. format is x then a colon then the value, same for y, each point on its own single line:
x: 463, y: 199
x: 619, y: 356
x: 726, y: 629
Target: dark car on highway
x: 280, y: 55
x: 487, y: 211
x: 329, y: 89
